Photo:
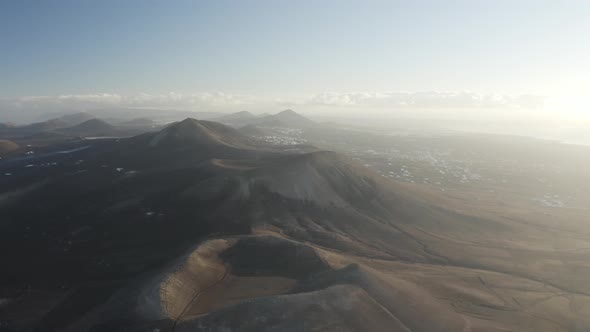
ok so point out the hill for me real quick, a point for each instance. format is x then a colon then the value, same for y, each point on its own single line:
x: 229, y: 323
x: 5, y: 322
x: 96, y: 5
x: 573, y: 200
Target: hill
x: 93, y: 127
x: 43, y: 126
x: 287, y: 118
x: 39, y: 129
x: 187, y: 143
x: 198, y: 132
x: 76, y: 118
x: 237, y: 117
x: 196, y: 227
x: 293, y: 118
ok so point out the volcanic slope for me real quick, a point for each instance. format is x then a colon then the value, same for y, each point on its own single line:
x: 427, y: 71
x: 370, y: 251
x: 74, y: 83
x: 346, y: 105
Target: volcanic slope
x: 196, y: 228
x: 199, y: 132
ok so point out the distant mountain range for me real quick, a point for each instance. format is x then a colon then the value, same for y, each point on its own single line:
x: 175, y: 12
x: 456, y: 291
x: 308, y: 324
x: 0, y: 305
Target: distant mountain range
x: 192, y: 132
x: 84, y: 124
x: 121, y: 114
x: 73, y: 126
x: 287, y: 119
x: 92, y: 127
x: 236, y: 117
x: 76, y: 118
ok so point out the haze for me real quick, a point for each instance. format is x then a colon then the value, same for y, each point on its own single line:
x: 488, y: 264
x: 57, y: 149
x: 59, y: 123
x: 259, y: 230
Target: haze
x: 501, y: 60
x: 362, y: 166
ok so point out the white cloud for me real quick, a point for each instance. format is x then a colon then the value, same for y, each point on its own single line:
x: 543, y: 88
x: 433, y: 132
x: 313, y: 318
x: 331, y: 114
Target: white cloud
x: 31, y: 107
x: 93, y: 98
x: 221, y: 100
x: 202, y: 101
x: 426, y: 100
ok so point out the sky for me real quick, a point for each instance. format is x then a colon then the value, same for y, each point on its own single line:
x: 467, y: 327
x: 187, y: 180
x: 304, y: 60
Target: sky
x: 313, y: 55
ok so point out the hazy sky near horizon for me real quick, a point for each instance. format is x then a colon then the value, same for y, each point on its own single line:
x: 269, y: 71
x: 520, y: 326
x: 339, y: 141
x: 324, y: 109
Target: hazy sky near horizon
x: 341, y: 52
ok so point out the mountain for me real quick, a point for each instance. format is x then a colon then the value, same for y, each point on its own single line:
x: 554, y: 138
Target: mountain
x: 195, y: 132
x: 117, y: 115
x: 237, y: 117
x: 93, y: 127
x: 198, y: 228
x: 38, y: 129
x: 287, y: 118
x: 60, y: 130
x: 185, y: 144
x: 43, y: 126
x: 101, y: 128
x: 293, y: 118
x: 76, y: 118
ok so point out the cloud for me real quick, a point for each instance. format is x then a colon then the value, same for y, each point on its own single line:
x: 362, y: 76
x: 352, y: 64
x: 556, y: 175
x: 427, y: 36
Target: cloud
x: 31, y: 107
x: 426, y: 100
x: 167, y: 100
x: 28, y: 108
x: 221, y: 100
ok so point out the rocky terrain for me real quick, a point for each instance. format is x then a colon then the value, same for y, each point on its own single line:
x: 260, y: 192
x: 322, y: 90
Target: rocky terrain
x: 199, y: 227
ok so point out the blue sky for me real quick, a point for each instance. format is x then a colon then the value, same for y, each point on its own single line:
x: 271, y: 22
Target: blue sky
x: 289, y: 49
